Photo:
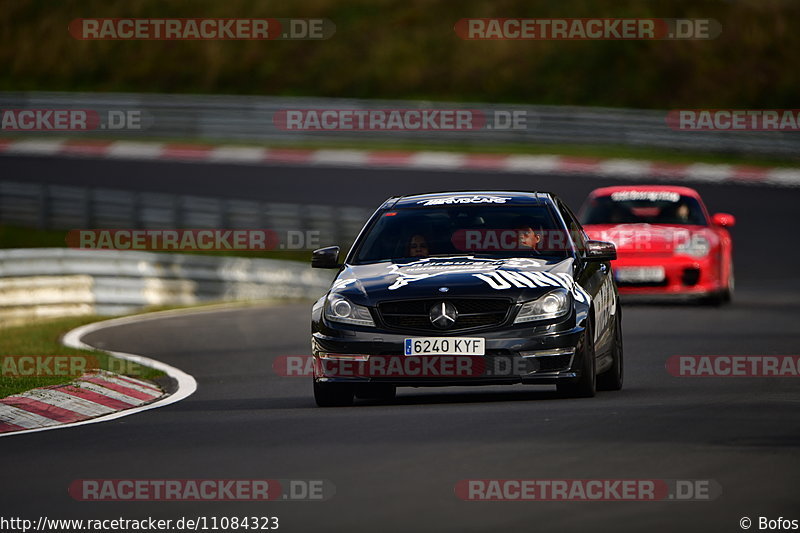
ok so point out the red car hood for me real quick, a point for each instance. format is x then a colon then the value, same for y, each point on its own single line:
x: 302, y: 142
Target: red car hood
x: 645, y: 238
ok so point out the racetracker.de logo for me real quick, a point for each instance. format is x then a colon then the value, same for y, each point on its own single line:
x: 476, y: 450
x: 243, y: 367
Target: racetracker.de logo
x: 734, y: 366
x: 23, y: 366
x: 70, y: 120
x: 523, y: 238
x: 407, y: 367
x: 598, y: 490
x: 250, y: 240
x: 402, y: 119
x: 787, y: 120
x: 379, y: 119
x: 198, y: 29
x: 586, y: 29
x: 380, y: 366
x: 185, y: 490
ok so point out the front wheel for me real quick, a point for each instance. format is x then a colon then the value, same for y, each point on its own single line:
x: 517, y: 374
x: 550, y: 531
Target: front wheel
x: 727, y: 294
x: 585, y: 385
x: 333, y: 394
x: 723, y: 296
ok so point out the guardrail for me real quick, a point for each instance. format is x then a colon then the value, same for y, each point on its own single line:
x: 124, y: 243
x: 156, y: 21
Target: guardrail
x: 64, y: 207
x: 49, y: 282
x: 251, y: 118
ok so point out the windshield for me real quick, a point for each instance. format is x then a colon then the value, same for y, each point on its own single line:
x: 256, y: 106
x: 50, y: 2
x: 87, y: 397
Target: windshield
x: 644, y: 207
x: 478, y: 230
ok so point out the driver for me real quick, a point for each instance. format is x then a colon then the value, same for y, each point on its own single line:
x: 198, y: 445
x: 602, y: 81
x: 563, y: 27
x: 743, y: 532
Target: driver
x: 418, y: 246
x: 527, y: 237
x: 683, y: 213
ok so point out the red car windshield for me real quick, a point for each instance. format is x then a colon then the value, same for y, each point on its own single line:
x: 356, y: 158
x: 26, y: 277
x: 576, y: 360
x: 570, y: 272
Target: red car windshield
x: 644, y: 207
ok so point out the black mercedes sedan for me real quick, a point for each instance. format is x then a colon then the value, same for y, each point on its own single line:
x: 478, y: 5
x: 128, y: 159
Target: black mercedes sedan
x: 467, y: 288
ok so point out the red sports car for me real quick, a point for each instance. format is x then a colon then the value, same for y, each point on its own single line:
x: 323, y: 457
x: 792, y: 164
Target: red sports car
x: 666, y: 242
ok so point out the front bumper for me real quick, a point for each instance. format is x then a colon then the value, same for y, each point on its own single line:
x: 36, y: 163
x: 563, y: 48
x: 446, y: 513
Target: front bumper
x: 542, y: 355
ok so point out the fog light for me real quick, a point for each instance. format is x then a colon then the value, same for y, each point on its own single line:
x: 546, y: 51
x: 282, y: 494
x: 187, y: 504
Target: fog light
x: 690, y: 276
x: 548, y: 353
x: 343, y: 357
x: 553, y: 360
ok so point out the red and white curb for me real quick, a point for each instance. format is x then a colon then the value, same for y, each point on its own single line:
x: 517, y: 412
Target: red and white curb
x: 94, y: 397
x: 523, y: 164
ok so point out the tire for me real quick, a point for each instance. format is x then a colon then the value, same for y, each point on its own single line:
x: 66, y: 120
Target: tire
x: 376, y: 391
x: 585, y: 385
x: 612, y: 378
x: 724, y: 296
x: 333, y: 394
x: 727, y: 294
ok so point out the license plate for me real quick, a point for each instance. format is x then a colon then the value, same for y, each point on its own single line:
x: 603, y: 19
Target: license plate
x: 641, y: 274
x: 445, y: 346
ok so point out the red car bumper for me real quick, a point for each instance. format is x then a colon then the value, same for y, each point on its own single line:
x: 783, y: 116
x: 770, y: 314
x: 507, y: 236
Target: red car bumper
x: 641, y: 274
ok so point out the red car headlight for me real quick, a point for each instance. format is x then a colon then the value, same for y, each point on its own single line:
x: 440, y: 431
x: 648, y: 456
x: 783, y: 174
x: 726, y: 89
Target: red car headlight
x: 696, y: 246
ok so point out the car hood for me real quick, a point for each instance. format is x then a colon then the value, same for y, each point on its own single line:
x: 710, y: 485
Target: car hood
x: 646, y: 238
x: 518, y: 278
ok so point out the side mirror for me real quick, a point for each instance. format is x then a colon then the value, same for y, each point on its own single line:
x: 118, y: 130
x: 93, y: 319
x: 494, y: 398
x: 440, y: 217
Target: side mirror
x: 600, y: 251
x: 723, y: 219
x: 325, y: 257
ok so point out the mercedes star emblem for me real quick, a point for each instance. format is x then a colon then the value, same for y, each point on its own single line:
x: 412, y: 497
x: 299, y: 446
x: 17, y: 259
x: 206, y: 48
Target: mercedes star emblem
x: 443, y: 315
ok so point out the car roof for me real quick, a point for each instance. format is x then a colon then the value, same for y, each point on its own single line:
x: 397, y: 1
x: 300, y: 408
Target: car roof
x: 683, y: 191
x: 477, y: 197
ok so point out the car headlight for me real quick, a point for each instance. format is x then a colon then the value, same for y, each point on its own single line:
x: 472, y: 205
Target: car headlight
x: 340, y: 309
x: 697, y: 246
x: 554, y: 304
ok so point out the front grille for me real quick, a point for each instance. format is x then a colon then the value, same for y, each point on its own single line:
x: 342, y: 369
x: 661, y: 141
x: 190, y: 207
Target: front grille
x: 472, y: 313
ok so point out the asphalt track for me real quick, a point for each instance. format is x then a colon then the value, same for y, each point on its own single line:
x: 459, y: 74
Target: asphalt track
x: 395, y: 466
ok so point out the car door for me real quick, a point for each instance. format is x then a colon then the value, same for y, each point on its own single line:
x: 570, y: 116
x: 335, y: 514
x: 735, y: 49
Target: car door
x: 596, y: 279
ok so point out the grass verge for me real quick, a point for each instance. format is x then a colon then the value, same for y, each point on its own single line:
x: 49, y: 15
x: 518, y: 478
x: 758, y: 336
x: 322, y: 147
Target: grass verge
x: 44, y: 339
